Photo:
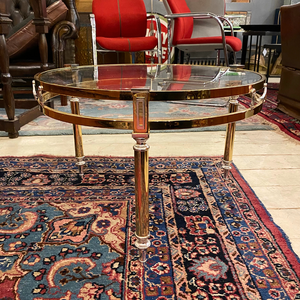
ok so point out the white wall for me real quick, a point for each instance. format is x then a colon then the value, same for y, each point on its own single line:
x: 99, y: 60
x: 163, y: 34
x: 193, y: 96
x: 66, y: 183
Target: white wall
x: 263, y: 11
x: 287, y: 2
x: 158, y: 6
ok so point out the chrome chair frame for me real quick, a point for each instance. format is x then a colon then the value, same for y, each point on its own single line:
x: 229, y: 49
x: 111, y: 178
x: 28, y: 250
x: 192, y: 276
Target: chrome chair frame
x: 219, y: 19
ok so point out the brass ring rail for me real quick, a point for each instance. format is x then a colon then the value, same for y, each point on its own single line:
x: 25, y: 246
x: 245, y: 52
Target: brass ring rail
x: 154, y: 124
x: 164, y: 95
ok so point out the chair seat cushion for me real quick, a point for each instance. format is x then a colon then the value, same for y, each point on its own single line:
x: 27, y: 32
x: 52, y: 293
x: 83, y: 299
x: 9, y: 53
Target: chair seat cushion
x: 234, y: 42
x: 124, y: 44
x: 25, y: 37
x: 27, y: 69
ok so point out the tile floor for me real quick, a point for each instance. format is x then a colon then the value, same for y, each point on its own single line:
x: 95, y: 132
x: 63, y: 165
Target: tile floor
x: 268, y: 160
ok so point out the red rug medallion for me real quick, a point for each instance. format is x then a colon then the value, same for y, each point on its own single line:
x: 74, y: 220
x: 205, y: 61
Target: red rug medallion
x: 67, y: 237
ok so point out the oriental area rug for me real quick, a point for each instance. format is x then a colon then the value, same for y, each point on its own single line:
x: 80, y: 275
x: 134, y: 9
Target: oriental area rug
x: 64, y: 237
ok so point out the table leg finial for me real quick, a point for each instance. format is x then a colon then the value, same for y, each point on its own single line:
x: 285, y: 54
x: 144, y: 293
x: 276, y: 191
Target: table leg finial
x: 142, y: 243
x: 226, y: 166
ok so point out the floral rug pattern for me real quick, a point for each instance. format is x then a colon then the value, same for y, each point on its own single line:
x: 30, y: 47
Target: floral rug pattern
x: 63, y: 236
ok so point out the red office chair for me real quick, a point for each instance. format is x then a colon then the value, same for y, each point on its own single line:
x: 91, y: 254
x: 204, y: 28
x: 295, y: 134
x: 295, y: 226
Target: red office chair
x: 198, y: 26
x: 121, y: 26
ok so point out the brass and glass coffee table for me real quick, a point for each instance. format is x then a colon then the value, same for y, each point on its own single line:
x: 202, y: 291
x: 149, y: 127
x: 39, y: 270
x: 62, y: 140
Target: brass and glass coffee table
x: 144, y: 87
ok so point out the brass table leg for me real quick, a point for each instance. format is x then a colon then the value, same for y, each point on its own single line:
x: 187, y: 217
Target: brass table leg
x: 227, y: 159
x: 141, y: 196
x: 141, y: 134
x: 77, y: 136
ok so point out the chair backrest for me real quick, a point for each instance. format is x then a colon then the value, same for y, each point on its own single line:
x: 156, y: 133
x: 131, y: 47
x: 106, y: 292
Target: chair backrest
x: 23, y: 34
x: 290, y: 35
x: 183, y: 27
x: 20, y: 11
x: 203, y: 28
x: 120, y: 18
x: 187, y: 27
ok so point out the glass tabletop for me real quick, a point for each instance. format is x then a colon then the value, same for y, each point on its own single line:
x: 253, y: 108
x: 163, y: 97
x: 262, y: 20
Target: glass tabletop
x: 181, y: 96
x: 164, y: 82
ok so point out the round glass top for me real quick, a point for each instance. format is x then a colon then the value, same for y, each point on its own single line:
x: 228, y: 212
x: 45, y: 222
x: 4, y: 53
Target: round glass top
x: 164, y: 82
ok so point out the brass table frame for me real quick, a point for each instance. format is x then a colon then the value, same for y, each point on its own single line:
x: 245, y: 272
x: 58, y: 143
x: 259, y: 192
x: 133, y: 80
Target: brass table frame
x: 141, y: 125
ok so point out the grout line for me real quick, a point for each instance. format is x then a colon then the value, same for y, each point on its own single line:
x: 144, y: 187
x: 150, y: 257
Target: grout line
x: 287, y: 208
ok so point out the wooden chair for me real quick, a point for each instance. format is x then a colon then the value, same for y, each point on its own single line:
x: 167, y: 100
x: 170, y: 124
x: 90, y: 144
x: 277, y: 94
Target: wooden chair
x: 289, y: 87
x: 33, y: 35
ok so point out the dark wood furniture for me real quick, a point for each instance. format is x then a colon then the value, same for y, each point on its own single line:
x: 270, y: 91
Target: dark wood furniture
x: 289, y: 88
x: 33, y: 37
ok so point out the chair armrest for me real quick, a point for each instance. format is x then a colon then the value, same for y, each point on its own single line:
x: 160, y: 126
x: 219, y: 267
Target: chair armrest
x: 5, y: 20
x: 72, y: 15
x: 198, y: 15
x: 41, y: 23
x: 226, y: 20
x: 62, y: 31
x: 40, y: 20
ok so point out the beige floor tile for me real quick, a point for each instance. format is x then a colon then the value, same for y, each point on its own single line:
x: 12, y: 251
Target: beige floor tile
x: 245, y: 142
x: 266, y: 149
x: 295, y: 243
x: 261, y: 136
x: 283, y: 177
x: 271, y: 162
x: 279, y: 196
x: 288, y: 220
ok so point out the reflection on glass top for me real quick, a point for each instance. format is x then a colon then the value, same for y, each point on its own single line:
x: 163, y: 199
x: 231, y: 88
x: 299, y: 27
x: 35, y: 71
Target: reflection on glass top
x: 154, y: 77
